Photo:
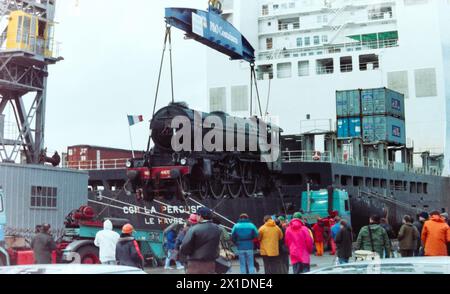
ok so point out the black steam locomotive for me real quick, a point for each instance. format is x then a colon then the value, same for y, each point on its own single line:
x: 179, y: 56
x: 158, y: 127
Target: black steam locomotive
x: 206, y: 155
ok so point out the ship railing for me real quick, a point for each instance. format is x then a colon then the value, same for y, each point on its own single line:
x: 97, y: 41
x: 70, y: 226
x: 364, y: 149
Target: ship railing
x: 323, y: 70
x: 335, y: 48
x: 344, y: 158
x: 104, y: 164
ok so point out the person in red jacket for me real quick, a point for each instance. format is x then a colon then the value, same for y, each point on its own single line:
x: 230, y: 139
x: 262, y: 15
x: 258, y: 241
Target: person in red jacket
x: 318, y: 231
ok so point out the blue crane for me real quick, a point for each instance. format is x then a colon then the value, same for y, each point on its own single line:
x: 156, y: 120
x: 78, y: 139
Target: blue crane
x: 212, y: 30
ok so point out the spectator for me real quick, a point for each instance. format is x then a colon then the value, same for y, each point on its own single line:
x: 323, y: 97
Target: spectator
x: 374, y: 238
x: 106, y: 240
x: 284, y: 251
x: 318, y: 231
x: 344, y: 242
x: 269, y: 237
x: 191, y: 221
x: 435, y: 235
x: 300, y: 245
x: 172, y: 252
x: 422, y: 218
x: 201, y: 244
x: 43, y: 246
x: 225, y: 246
x: 390, y: 231
x: 336, y: 227
x: 445, y: 216
x: 243, y: 235
x: 127, y: 249
x: 408, y: 237
x: 283, y: 222
x: 384, y: 223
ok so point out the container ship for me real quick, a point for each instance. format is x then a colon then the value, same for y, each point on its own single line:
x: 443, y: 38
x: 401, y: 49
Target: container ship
x: 355, y: 55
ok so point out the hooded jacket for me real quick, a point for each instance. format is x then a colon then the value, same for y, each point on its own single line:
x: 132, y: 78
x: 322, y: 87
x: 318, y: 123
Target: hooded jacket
x: 380, y: 238
x: 269, y: 237
x: 435, y: 235
x: 128, y: 252
x: 106, y: 240
x: 299, y: 242
x: 408, y: 237
x: 243, y: 234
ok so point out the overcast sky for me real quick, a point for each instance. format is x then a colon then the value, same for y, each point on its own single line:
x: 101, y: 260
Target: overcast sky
x: 112, y: 50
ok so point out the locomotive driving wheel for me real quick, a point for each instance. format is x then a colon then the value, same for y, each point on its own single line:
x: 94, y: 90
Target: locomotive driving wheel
x: 234, y: 179
x: 216, y: 185
x: 250, y: 180
x: 203, y: 189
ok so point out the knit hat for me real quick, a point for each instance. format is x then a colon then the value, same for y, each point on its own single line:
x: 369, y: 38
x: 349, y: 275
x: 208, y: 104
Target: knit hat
x: 205, y: 212
x: 297, y: 215
x: 281, y: 218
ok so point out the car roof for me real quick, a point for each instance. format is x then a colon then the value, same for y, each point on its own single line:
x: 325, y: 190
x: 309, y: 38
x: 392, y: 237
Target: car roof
x: 56, y: 269
x: 420, y: 264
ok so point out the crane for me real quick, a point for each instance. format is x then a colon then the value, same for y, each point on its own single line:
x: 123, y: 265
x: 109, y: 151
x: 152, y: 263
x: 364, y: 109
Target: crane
x: 211, y: 29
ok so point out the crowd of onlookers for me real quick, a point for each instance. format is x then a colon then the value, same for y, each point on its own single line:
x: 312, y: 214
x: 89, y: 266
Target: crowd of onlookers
x: 203, y: 246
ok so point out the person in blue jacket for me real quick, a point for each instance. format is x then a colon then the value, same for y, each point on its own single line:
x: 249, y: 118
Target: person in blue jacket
x: 243, y: 234
x: 336, y: 228
x: 172, y: 252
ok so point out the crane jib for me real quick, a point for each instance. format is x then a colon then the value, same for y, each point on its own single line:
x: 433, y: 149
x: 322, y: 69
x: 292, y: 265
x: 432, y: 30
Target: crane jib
x: 210, y: 29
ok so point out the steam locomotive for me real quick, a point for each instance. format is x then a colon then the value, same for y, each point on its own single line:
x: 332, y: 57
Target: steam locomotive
x: 206, y: 155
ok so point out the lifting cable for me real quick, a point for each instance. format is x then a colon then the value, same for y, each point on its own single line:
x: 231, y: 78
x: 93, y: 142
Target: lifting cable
x: 253, y: 81
x: 167, y: 39
x: 268, y: 99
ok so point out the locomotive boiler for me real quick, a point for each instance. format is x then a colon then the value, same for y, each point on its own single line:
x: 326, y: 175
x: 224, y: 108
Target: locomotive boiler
x: 206, y: 155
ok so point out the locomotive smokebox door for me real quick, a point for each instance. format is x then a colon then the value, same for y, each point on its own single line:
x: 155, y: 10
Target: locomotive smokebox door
x: 207, y: 168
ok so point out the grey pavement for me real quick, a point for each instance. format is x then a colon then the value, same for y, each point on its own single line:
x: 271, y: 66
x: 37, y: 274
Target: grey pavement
x: 316, y: 263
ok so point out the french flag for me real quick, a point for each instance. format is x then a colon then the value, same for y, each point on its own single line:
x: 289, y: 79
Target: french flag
x: 135, y: 119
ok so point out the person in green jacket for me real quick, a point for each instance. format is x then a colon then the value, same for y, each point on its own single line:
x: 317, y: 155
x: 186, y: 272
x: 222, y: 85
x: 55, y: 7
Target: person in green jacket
x: 374, y: 238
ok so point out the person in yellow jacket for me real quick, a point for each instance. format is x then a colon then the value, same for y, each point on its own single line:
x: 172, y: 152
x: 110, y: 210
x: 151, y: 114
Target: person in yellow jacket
x: 269, y: 237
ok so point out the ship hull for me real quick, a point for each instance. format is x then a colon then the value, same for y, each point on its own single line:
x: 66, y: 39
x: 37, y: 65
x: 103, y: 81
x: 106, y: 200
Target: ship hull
x: 366, y: 198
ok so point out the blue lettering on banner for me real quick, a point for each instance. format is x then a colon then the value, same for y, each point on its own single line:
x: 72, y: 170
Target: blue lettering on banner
x: 219, y: 30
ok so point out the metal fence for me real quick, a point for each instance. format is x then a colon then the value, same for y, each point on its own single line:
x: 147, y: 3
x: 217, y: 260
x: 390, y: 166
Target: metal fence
x: 327, y: 157
x: 104, y: 164
x: 335, y: 48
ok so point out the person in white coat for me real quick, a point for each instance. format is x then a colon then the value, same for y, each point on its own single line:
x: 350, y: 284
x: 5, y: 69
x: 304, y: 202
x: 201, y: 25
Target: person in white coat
x: 106, y: 240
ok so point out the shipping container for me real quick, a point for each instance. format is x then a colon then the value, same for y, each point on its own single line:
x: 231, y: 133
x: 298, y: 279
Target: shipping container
x: 384, y: 129
x: 348, y: 103
x: 343, y: 128
x: 37, y: 194
x: 382, y: 101
x: 88, y: 157
x: 349, y: 127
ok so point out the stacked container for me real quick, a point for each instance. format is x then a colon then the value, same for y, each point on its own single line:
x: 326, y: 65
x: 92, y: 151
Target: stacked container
x: 375, y: 115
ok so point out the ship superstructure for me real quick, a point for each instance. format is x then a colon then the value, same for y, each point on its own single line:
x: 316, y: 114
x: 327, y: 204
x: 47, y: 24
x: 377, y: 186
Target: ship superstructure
x: 308, y: 50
